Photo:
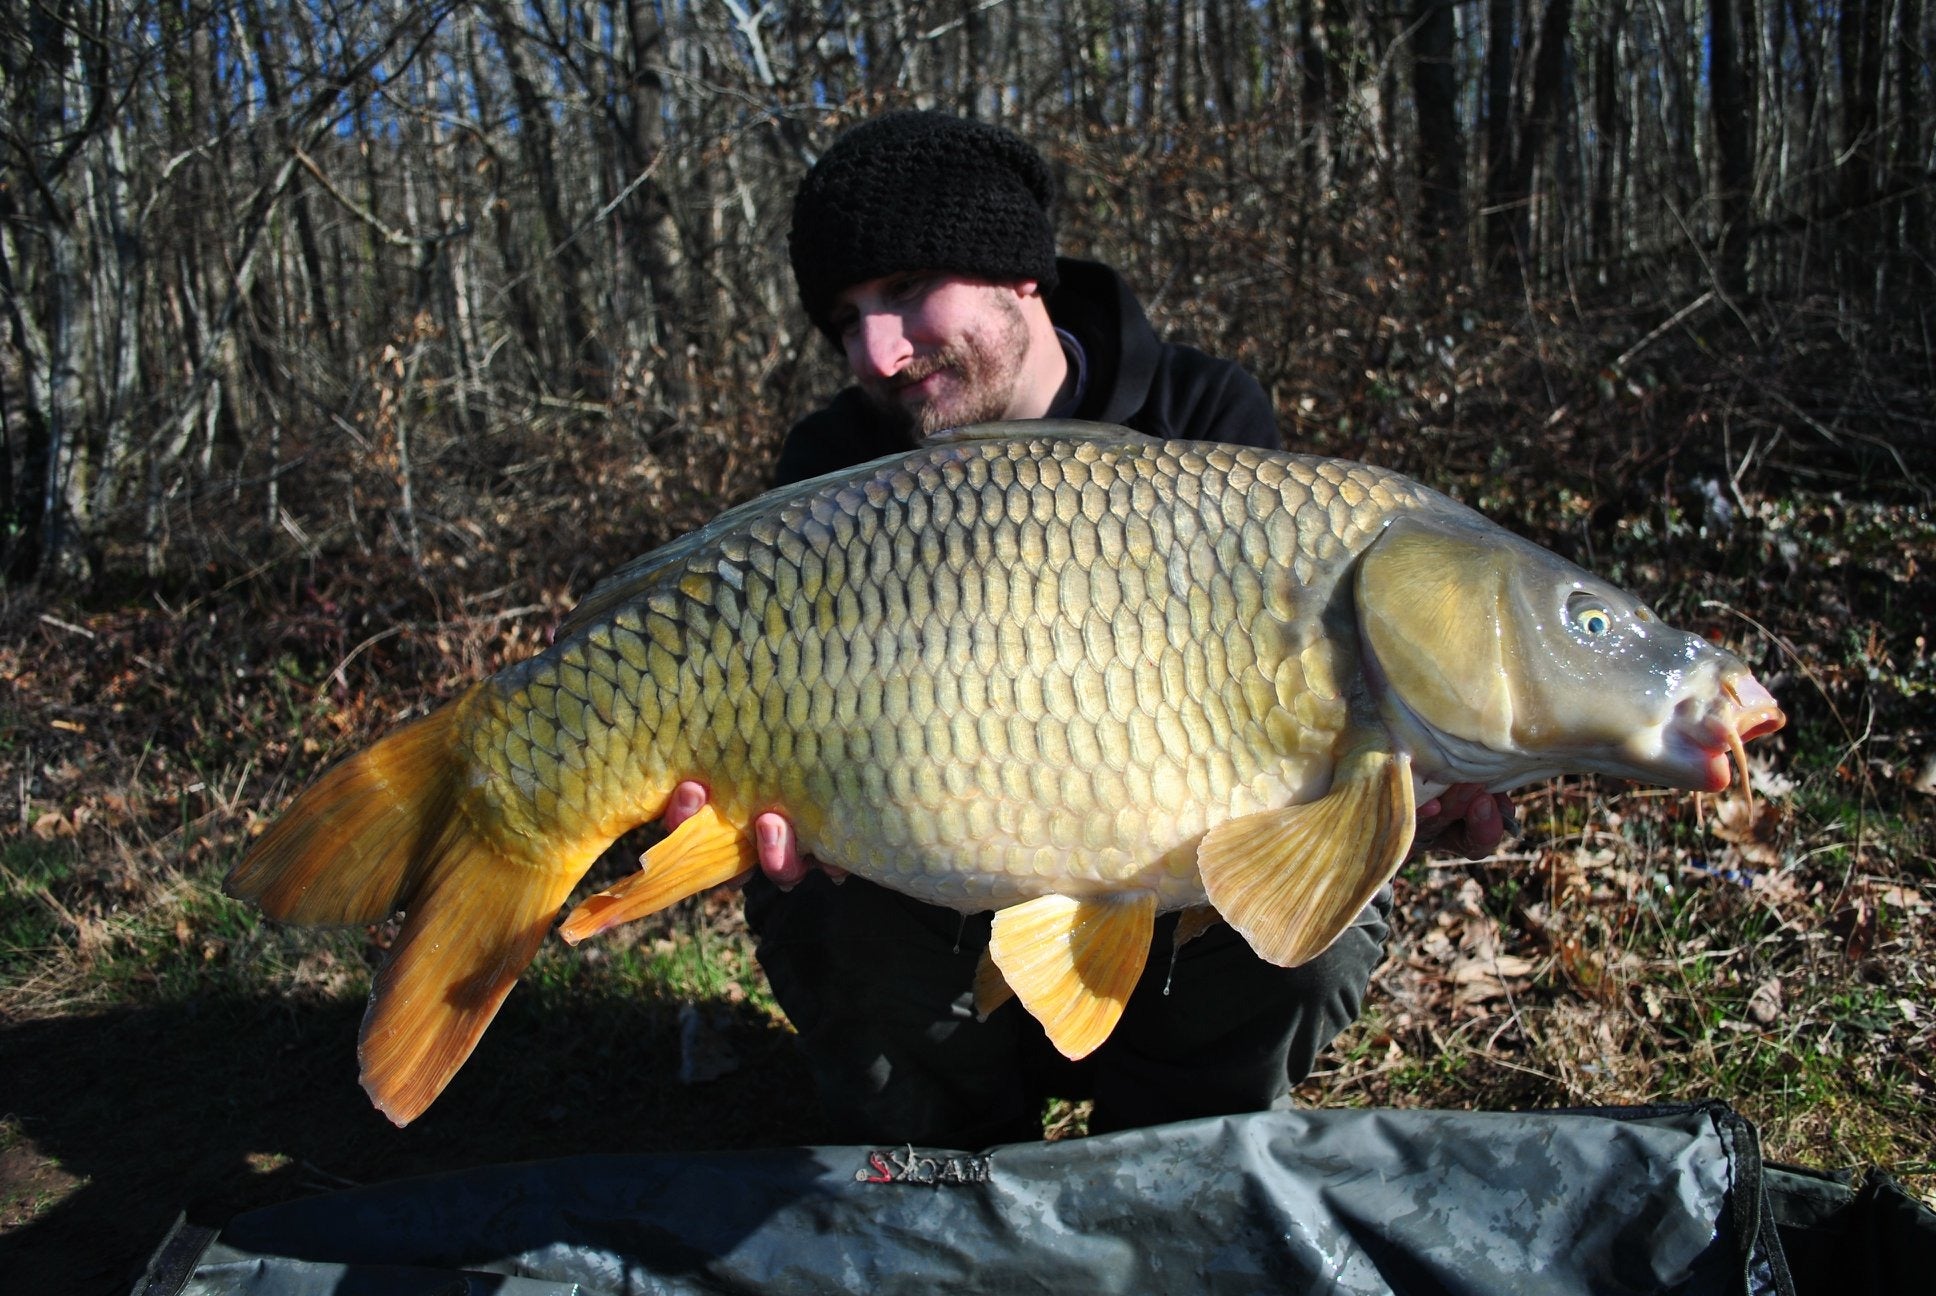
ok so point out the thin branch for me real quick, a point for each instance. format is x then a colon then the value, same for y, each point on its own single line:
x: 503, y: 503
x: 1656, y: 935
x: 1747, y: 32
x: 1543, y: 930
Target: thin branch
x: 394, y: 237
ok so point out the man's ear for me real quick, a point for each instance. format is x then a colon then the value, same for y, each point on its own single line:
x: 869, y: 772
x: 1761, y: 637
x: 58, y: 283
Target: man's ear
x: 1027, y: 288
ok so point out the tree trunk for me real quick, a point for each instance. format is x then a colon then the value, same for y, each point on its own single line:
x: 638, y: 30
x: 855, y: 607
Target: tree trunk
x: 1499, y: 115
x: 1549, y: 66
x: 1441, y: 145
x: 589, y: 366
x: 1609, y: 137
x: 1733, y: 147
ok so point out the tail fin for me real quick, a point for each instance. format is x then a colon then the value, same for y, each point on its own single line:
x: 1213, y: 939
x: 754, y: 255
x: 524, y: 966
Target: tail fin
x: 351, y: 848
x: 386, y: 830
x: 471, y: 929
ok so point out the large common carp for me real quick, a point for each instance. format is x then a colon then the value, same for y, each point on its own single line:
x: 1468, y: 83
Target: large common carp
x: 1066, y: 673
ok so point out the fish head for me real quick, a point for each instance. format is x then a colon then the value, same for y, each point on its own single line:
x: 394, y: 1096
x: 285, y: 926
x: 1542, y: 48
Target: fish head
x: 1506, y: 663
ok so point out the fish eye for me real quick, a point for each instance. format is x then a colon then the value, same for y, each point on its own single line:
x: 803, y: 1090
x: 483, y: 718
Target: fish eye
x: 1589, y: 617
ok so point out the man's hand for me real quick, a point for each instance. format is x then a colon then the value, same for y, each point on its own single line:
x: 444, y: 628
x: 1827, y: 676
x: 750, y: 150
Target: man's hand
x: 1464, y: 818
x: 778, y: 849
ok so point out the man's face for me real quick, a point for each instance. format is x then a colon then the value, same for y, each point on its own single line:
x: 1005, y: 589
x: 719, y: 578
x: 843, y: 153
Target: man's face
x: 935, y: 351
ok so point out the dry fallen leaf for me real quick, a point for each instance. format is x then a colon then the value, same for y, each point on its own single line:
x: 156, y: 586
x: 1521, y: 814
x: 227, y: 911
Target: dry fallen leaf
x: 1905, y: 898
x: 1750, y: 827
x: 1508, y: 966
x: 54, y: 824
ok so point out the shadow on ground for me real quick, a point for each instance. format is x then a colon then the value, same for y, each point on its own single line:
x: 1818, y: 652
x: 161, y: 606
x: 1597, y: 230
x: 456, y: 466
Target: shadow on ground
x: 223, y: 1104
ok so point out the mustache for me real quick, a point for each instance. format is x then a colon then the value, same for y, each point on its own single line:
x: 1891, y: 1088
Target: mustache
x: 919, y: 370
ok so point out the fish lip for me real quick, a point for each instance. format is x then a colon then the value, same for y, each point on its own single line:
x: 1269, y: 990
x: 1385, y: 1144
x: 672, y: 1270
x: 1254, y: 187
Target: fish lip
x: 1755, y: 713
x: 1684, y: 752
x: 1710, y: 733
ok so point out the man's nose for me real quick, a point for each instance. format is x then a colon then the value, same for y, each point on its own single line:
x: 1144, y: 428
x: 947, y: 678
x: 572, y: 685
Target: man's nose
x: 878, y: 347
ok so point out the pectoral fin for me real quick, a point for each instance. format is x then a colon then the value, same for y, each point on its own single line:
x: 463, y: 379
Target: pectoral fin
x: 1292, y: 880
x: 1072, y: 962
x: 702, y: 852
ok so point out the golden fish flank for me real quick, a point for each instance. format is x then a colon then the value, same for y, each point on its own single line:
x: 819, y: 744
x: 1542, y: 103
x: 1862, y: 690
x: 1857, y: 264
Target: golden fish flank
x: 1070, y: 674
x: 966, y: 718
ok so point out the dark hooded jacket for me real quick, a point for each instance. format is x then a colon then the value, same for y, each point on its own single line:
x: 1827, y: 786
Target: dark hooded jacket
x: 1134, y: 378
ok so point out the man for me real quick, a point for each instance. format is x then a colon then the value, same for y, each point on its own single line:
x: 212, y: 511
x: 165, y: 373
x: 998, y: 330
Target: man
x: 923, y: 248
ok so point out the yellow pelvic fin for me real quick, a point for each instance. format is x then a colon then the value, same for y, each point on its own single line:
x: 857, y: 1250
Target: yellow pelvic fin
x: 702, y: 852
x: 991, y: 991
x: 352, y: 848
x: 1072, y: 962
x: 1291, y: 880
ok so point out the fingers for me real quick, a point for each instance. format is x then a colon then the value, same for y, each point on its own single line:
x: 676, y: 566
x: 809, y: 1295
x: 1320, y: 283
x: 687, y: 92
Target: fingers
x: 687, y: 800
x: 1508, y: 817
x: 1483, y: 827
x: 773, y: 840
x: 1464, y: 818
x: 780, y: 856
x: 779, y: 852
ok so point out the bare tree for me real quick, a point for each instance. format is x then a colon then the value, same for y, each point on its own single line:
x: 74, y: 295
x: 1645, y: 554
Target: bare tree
x: 245, y: 244
x: 1441, y: 143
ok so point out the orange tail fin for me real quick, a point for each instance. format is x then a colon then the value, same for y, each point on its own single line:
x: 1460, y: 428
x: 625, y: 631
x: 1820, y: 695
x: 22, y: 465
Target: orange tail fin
x: 471, y: 929
x: 383, y: 831
x: 351, y: 848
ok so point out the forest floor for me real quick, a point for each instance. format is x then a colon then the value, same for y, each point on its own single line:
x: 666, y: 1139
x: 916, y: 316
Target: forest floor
x: 163, y: 1049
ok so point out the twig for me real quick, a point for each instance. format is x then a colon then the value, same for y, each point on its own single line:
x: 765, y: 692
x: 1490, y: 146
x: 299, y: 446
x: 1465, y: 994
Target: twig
x: 342, y: 681
x: 68, y: 626
x: 1626, y: 357
x: 481, y: 619
x: 935, y: 33
x: 224, y: 588
x: 394, y: 237
x: 1855, y: 743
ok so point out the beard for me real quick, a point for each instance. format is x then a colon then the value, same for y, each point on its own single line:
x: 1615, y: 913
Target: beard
x: 979, y: 374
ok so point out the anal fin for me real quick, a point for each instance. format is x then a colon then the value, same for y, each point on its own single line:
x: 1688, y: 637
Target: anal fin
x: 704, y: 851
x: 1291, y: 880
x: 1073, y: 962
x: 991, y: 991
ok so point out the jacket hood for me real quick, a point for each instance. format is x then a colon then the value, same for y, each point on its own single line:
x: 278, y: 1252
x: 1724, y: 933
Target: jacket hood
x: 1093, y: 303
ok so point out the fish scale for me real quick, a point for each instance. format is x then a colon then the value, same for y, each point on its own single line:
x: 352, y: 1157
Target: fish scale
x: 1145, y: 655
x: 1070, y: 674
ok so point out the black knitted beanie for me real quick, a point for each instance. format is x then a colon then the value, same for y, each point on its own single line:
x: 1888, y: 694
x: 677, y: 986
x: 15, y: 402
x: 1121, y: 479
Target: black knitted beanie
x: 921, y: 191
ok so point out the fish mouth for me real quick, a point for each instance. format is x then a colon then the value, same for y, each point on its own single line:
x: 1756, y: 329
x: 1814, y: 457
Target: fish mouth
x: 1703, y: 741
x: 1746, y: 711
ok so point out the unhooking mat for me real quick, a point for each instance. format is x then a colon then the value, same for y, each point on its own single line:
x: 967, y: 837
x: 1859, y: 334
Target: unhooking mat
x: 1422, y: 1203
